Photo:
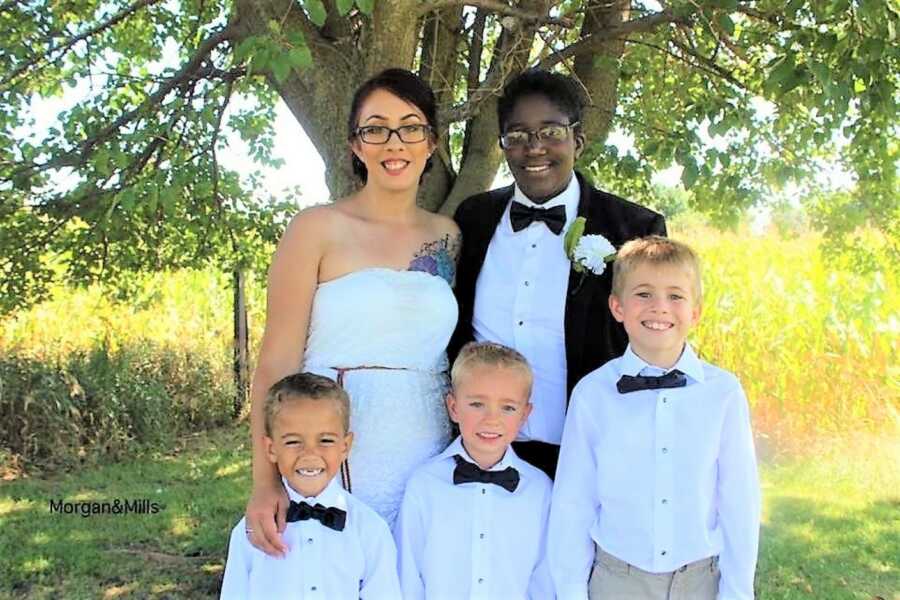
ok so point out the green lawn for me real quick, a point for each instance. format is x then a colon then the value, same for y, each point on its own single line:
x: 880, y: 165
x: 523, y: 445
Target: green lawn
x: 831, y: 526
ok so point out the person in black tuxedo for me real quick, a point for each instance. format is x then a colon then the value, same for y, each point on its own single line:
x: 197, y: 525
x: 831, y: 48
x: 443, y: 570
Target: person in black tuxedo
x: 514, y: 284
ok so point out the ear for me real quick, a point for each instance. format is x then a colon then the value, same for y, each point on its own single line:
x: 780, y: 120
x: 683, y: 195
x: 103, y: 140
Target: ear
x: 348, y: 443
x: 451, y: 407
x: 526, y: 412
x: 579, y: 143
x: 615, y: 307
x: 695, y: 314
x: 269, y: 444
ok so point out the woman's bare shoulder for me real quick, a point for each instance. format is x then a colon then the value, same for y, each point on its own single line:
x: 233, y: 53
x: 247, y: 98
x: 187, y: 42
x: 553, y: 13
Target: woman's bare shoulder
x: 315, y: 221
x: 442, y: 226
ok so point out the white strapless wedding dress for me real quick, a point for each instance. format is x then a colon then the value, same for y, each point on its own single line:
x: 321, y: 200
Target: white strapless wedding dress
x: 384, y: 333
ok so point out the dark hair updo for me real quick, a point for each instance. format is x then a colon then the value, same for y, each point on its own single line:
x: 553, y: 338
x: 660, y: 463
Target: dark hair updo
x: 403, y: 84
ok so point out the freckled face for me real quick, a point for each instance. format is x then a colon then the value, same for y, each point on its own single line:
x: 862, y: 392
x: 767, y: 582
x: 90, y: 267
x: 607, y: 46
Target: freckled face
x: 395, y: 165
x: 308, y: 444
x: 658, y: 308
x: 490, y: 404
x: 542, y: 169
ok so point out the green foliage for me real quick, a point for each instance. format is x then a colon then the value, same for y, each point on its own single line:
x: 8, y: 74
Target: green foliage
x: 84, y: 201
x: 106, y: 404
x: 756, y: 97
x: 84, y: 377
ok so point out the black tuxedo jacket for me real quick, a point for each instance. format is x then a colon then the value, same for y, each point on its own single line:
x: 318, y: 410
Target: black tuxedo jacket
x: 592, y: 335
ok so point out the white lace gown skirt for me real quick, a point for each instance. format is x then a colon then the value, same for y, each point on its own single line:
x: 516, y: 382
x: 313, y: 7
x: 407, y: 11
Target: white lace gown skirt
x: 399, y: 421
x: 386, y: 318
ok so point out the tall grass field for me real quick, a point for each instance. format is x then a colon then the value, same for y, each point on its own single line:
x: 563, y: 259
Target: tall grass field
x: 102, y: 398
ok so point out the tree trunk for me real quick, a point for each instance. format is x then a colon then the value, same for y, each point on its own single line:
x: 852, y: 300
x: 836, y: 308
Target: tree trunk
x: 599, y: 72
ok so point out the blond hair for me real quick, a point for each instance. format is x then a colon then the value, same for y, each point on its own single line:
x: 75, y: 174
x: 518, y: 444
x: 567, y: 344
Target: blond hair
x: 657, y: 251
x: 489, y: 354
x: 307, y: 386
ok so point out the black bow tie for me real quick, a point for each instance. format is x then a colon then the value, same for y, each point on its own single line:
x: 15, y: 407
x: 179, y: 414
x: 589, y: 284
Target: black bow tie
x: 672, y: 379
x: 522, y: 216
x: 333, y: 518
x: 466, y: 472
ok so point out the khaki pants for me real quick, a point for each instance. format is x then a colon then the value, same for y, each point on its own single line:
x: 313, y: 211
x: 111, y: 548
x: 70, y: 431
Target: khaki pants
x: 614, y: 579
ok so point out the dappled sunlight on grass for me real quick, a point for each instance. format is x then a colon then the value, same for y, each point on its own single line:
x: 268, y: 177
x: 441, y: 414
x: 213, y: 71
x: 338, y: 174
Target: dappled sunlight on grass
x: 34, y: 566
x: 239, y: 467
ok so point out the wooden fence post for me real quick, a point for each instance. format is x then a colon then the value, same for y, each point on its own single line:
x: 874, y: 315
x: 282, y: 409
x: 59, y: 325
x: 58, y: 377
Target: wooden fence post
x: 241, y: 346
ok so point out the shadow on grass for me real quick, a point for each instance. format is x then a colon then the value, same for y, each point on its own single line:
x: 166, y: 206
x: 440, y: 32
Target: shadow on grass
x: 176, y: 552
x: 824, y: 550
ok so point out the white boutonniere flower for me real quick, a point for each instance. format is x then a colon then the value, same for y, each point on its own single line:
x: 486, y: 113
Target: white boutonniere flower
x: 588, y: 252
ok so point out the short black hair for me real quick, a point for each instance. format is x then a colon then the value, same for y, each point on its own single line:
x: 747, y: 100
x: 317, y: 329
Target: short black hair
x: 403, y: 84
x: 307, y: 386
x: 559, y: 89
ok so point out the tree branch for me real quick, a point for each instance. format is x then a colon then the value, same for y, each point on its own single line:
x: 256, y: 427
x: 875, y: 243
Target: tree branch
x: 47, y: 55
x: 78, y: 155
x: 593, y: 41
x: 499, y: 8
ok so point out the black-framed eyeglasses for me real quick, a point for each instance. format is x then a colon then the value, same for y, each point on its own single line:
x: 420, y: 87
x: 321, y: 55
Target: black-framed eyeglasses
x: 550, y: 134
x: 379, y: 134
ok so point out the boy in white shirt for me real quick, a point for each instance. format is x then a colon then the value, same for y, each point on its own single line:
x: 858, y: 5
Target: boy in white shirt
x: 339, y: 547
x: 657, y: 494
x: 473, y: 520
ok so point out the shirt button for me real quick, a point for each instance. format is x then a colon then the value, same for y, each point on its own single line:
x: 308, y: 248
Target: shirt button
x: 483, y: 491
x: 521, y: 323
x: 309, y: 540
x: 481, y: 580
x: 313, y: 588
x: 665, y: 450
x: 534, y: 245
x: 481, y: 535
x: 664, y: 501
x: 663, y: 553
x: 526, y: 284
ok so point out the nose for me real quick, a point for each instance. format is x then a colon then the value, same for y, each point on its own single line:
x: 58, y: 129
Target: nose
x: 534, y: 146
x: 394, y: 140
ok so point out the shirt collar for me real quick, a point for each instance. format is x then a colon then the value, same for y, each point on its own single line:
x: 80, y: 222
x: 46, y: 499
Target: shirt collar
x: 510, y: 459
x: 332, y: 496
x: 688, y: 363
x: 569, y: 198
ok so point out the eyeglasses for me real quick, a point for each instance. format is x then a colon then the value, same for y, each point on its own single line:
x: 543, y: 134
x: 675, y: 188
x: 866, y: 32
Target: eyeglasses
x: 549, y: 134
x: 378, y: 134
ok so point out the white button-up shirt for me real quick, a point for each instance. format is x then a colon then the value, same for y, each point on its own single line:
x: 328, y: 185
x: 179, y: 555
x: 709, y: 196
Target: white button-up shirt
x: 657, y: 478
x: 323, y: 564
x: 473, y: 541
x: 520, y: 302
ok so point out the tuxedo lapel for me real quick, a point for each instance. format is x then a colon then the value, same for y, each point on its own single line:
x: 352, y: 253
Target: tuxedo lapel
x: 477, y: 218
x: 489, y: 214
x: 586, y: 291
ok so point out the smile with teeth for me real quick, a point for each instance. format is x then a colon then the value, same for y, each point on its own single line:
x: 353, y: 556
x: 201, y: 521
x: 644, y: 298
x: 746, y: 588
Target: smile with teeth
x: 536, y: 168
x: 657, y: 325
x: 310, y: 472
x: 395, y: 165
x: 488, y: 436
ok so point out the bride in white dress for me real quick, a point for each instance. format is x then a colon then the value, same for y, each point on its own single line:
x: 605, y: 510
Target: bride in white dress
x: 359, y: 291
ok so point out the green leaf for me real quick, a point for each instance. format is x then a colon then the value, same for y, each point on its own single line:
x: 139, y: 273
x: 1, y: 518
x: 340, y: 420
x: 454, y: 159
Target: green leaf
x: 316, y: 11
x: 573, y: 235
x: 366, y: 6
x: 300, y: 58
x: 344, y: 6
x: 689, y: 174
x: 281, y: 68
x: 725, y: 23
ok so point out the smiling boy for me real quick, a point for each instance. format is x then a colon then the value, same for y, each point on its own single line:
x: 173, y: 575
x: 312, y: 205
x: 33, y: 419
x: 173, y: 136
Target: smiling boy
x: 657, y: 494
x: 339, y: 547
x: 473, y: 519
